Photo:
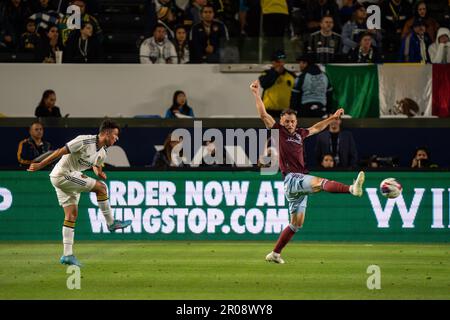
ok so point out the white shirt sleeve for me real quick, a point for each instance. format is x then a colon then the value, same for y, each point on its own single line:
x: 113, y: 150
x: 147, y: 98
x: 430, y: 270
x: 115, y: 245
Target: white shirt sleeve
x: 144, y: 52
x: 75, y: 145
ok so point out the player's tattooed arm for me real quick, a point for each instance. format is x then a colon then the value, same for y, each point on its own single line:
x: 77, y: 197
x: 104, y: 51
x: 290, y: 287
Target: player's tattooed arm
x: 55, y: 155
x: 99, y: 172
x: 320, y: 126
x: 269, y: 122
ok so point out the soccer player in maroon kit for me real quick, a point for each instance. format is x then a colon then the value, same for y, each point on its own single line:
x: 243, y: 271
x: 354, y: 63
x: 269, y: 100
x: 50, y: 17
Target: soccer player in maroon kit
x: 297, y: 183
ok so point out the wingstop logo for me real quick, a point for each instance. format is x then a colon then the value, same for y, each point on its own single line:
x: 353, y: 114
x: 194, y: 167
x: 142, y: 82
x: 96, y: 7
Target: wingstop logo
x: 6, y: 199
x: 408, y: 216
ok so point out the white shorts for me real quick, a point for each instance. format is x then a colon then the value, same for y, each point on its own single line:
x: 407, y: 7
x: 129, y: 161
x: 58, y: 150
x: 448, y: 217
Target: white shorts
x: 68, y: 187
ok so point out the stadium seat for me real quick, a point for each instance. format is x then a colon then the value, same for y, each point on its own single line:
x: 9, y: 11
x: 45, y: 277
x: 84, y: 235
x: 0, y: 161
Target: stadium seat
x: 122, y: 42
x: 122, y: 22
x: 17, y: 57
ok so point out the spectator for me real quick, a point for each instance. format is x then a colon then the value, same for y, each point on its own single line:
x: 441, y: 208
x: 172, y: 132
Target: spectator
x: 42, y: 6
x: 181, y: 45
x: 163, y: 159
x: 179, y: 106
x: 327, y: 161
x: 82, y: 46
x: 48, y: 46
x: 7, y: 42
x: 324, y: 45
x: 316, y: 9
x: 196, y: 10
x: 277, y: 83
x: 211, y: 156
x: 45, y: 15
x: 347, y: 9
x: 394, y: 14
x: 30, y: 40
x: 297, y: 13
x: 340, y: 144
x: 275, y: 19
x: 312, y: 92
x: 365, y: 52
x: 14, y: 14
x: 207, y: 38
x: 47, y: 107
x: 227, y: 11
x: 415, y: 45
x: 439, y: 51
x: 249, y: 17
x: 422, y: 159
x: 85, y: 17
x: 421, y: 12
x: 373, y: 162
x: 353, y: 29
x: 168, y: 13
x: 158, y: 49
x: 33, y: 146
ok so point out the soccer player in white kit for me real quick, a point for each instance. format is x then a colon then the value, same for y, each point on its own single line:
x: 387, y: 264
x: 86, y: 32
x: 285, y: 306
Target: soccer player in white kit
x: 82, y: 153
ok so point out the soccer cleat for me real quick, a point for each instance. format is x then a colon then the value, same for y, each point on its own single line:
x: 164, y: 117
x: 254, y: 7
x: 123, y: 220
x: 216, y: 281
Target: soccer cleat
x: 70, y: 260
x: 274, y: 257
x: 356, y: 188
x: 117, y: 224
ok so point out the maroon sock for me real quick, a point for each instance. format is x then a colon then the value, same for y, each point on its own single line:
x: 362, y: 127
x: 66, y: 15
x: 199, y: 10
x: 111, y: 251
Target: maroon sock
x: 284, y: 238
x: 334, y: 186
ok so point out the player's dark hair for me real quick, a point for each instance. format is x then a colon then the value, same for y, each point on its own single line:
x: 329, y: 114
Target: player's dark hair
x: 159, y: 25
x: 422, y: 148
x: 326, y: 154
x: 36, y: 122
x: 327, y: 16
x: 365, y: 34
x: 208, y: 5
x: 109, y: 124
x: 288, y: 112
x: 45, y: 95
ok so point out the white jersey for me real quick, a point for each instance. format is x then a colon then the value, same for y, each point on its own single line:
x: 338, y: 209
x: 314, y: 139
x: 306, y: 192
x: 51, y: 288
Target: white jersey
x: 83, y: 155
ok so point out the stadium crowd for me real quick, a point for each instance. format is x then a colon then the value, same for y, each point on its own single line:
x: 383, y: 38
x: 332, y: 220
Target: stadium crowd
x: 201, y: 31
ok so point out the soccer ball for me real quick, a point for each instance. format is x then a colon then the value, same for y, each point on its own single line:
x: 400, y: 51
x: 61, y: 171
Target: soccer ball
x: 390, y: 188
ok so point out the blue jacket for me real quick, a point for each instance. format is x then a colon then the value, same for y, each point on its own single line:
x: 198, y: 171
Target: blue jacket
x: 346, y: 148
x: 186, y: 110
x: 410, y: 50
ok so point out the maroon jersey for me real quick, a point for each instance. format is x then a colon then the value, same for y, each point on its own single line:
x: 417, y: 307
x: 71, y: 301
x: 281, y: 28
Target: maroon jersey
x: 291, y: 150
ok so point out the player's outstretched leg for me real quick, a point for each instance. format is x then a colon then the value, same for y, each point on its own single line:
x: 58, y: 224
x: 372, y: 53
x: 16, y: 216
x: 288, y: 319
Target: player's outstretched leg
x: 355, y: 189
x: 286, y: 236
x: 101, y: 191
x: 68, y: 233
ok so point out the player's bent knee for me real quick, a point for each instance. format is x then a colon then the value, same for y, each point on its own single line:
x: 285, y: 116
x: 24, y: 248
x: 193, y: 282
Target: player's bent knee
x: 100, y: 188
x: 316, y: 184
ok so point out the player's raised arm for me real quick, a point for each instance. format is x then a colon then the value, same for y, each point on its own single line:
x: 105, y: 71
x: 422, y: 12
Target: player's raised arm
x: 265, y: 117
x: 55, y: 155
x: 320, y: 126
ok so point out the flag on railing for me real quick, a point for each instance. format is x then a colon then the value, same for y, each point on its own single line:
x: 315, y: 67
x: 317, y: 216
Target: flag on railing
x: 355, y: 88
x: 441, y: 90
x: 405, y: 89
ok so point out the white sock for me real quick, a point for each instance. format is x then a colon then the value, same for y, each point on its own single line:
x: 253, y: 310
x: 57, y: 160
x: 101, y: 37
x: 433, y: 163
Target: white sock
x: 106, y: 210
x: 68, y: 235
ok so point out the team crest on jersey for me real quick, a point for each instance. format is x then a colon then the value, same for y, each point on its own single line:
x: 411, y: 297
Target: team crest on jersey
x: 296, y: 139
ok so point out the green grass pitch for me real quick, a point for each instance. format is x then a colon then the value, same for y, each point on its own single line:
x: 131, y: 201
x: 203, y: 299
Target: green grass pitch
x: 225, y: 270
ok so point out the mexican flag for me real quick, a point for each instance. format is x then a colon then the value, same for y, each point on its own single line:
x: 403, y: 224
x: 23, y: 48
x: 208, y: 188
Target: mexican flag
x: 405, y: 89
x: 441, y: 90
x: 355, y: 88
